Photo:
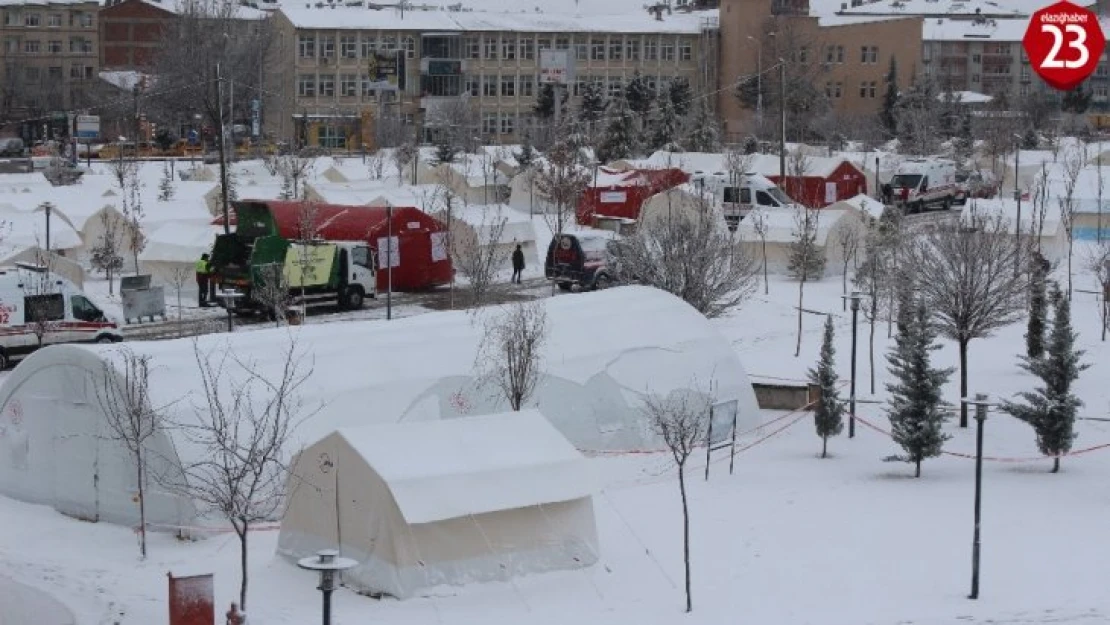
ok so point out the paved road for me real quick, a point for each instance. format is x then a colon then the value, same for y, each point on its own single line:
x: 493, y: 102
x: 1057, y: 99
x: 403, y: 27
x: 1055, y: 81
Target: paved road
x: 23, y: 605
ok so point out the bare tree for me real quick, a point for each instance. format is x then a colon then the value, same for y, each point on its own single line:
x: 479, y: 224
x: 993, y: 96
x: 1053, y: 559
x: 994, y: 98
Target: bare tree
x: 178, y: 278
x: 874, y: 278
x: 561, y: 181
x: 133, y: 216
x: 403, y: 156
x: 308, y: 229
x: 738, y: 163
x: 689, y: 254
x: 477, y: 253
x: 44, y: 302
x: 105, y: 256
x: 272, y: 290
x: 760, y: 227
x: 444, y: 202
x: 1040, y: 206
x: 798, y: 164
x: 510, y: 356
x: 1098, y: 261
x: 375, y: 162
x: 807, y: 259
x: 848, y: 238
x: 294, y: 171
x: 682, y: 421
x: 1073, y: 166
x: 967, y: 275
x: 243, y: 427
x: 123, y: 394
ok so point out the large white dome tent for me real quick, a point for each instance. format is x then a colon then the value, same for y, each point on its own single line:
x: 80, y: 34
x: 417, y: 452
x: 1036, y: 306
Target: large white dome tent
x: 604, y: 351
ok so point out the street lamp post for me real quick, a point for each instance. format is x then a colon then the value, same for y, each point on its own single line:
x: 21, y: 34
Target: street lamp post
x: 854, y: 299
x: 981, y: 404
x: 328, y: 563
x: 1017, y: 196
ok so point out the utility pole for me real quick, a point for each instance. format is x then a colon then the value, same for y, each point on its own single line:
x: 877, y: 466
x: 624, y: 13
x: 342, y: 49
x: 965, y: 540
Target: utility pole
x: 782, y: 120
x: 854, y: 299
x: 223, y: 150
x: 47, y: 207
x: 389, y: 262
x: 1017, y: 197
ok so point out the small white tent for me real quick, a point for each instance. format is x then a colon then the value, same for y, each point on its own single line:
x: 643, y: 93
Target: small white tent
x: 172, y: 251
x: 597, y: 365
x: 443, y: 502
x: 782, y: 228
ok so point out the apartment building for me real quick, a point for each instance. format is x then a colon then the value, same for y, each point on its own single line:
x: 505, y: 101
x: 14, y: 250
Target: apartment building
x: 48, y: 62
x: 131, y: 32
x: 340, y: 68
x: 846, y: 57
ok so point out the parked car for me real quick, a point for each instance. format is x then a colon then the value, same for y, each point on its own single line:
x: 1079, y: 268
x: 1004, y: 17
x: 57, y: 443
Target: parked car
x: 975, y: 185
x: 580, y: 259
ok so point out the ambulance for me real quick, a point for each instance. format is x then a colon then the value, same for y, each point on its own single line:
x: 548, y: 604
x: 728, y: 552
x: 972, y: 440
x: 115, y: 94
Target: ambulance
x: 921, y: 183
x: 35, y: 303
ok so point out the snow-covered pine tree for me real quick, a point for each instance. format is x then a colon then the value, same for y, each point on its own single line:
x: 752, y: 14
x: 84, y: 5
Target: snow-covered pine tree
x: 828, y: 413
x: 681, y: 95
x: 806, y: 261
x: 704, y: 135
x: 620, y: 139
x: 594, y: 102
x: 165, y: 186
x: 1038, y: 309
x: 638, y: 94
x: 888, y: 114
x: 662, y: 122
x: 916, y: 409
x: 1051, y: 407
x: 446, y: 152
x: 527, y: 154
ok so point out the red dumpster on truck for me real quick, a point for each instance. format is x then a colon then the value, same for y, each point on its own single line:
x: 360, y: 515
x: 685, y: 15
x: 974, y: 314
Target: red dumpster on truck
x: 419, y: 254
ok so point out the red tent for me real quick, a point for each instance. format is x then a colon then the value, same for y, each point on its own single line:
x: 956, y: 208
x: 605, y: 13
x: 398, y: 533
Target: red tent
x: 622, y: 194
x: 420, y: 260
x: 828, y: 181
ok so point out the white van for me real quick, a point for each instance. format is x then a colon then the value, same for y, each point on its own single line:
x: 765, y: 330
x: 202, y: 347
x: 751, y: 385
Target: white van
x: 737, y: 200
x: 29, y: 292
x: 921, y: 183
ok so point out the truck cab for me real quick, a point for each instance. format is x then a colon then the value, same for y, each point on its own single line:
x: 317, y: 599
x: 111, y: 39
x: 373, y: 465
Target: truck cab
x: 40, y: 308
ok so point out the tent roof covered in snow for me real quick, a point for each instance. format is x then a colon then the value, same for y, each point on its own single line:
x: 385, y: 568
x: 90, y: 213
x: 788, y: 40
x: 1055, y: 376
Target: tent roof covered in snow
x: 452, y: 468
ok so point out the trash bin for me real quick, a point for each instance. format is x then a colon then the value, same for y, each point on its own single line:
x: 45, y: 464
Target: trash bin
x: 294, y: 317
x: 140, y: 299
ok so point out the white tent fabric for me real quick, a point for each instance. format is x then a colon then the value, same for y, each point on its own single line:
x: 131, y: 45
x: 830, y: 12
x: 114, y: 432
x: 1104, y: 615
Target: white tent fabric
x: 596, y: 368
x: 782, y: 228
x: 173, y: 249
x: 443, y: 502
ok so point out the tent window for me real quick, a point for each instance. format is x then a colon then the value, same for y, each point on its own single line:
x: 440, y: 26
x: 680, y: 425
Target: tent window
x: 51, y: 307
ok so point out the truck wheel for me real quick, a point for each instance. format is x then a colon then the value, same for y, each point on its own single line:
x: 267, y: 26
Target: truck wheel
x: 602, y: 282
x: 352, y: 298
x: 105, y: 338
x: 565, y: 286
x: 948, y: 203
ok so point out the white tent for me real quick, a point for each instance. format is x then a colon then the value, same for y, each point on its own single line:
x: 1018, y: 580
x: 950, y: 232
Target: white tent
x: 1052, y: 240
x: 782, y: 228
x: 173, y: 249
x: 443, y: 502
x: 596, y: 366
x: 498, y: 226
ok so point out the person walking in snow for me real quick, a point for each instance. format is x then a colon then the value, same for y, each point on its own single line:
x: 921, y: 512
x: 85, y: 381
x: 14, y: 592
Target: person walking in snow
x: 518, y: 263
x: 235, y: 617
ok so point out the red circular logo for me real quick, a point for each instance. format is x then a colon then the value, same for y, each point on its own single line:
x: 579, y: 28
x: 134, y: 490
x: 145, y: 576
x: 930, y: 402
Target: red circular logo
x: 1064, y: 43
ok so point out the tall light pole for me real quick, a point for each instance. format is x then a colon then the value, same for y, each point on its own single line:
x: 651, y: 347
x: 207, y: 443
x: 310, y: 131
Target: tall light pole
x: 328, y: 563
x: 854, y: 299
x: 1017, y: 195
x: 981, y: 404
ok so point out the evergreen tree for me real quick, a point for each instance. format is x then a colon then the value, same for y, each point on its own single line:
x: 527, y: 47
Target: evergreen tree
x: 751, y: 145
x: 681, y: 95
x: 1030, y: 140
x: 805, y: 257
x: 1051, y: 408
x: 1038, y: 304
x: 545, y: 102
x: 662, y: 123
x: 527, y: 154
x: 888, y: 115
x: 165, y: 187
x: 594, y: 102
x: 703, y: 135
x: 446, y: 152
x: 638, y: 94
x: 1076, y: 101
x: 828, y: 413
x: 916, y: 415
x: 620, y: 138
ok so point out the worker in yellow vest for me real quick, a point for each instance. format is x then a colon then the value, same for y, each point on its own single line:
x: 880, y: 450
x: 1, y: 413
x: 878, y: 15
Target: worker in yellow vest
x: 204, y: 275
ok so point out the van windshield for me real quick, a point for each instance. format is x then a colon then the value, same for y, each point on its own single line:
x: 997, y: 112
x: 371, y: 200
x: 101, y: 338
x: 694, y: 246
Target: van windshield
x: 779, y: 196
x: 84, y: 310
x: 906, y: 181
x: 593, y: 244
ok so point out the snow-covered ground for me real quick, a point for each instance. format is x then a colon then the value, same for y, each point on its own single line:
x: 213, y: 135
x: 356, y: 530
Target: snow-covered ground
x: 788, y: 538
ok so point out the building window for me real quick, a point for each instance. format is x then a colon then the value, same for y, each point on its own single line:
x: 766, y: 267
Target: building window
x: 508, y: 123
x: 616, y: 86
x: 616, y: 49
x: 667, y: 51
x: 54, y: 20
x: 12, y: 18
x: 527, y: 50
x: 489, y: 123
x: 803, y: 54
x: 976, y: 58
x: 54, y: 73
x: 327, y: 47
x: 527, y: 86
x: 685, y: 51
x: 840, y: 54
x: 80, y: 72
x: 32, y: 19
x: 389, y: 42
x: 869, y: 55
x: 473, y: 85
x: 508, y: 86
x: 54, y: 47
x: 562, y: 43
x: 543, y: 43
x: 306, y: 85
x: 1100, y: 91
x: 491, y: 47
x: 473, y: 47
x: 1100, y: 71
x: 867, y: 89
x: 31, y: 74
x: 11, y: 45
x: 329, y: 136
x: 410, y: 47
x: 632, y: 48
x: 31, y: 47
x: 82, y: 19
x: 580, y: 84
x: 306, y: 46
x: 489, y: 86
x: 651, y: 49
x: 597, y: 49
x: 581, y: 51
x: 327, y: 86
x: 833, y: 90
x: 508, y: 49
x: 348, y: 85
x: 348, y: 47
x: 369, y: 46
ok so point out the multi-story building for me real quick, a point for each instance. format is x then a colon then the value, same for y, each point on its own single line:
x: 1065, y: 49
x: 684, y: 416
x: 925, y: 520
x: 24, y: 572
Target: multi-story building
x: 131, y: 32
x: 340, y: 67
x: 48, y: 62
x: 845, y: 57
